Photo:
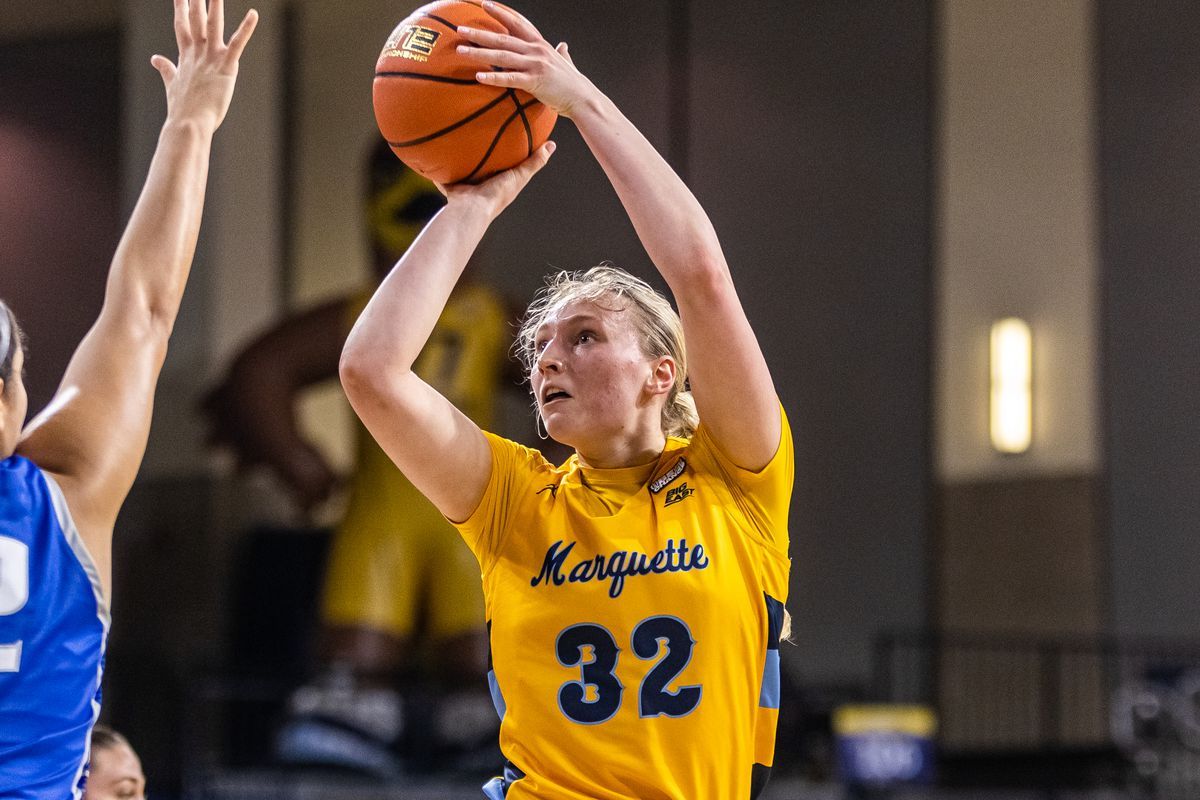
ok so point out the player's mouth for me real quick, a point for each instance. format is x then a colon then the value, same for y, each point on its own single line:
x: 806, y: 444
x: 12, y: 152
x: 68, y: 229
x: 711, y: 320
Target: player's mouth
x: 550, y: 394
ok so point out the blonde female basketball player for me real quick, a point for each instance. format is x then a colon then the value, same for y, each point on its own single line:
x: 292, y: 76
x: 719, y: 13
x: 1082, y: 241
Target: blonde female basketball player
x: 634, y: 594
x: 63, y: 478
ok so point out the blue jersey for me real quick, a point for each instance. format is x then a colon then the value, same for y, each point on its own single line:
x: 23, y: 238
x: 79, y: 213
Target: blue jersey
x: 53, y: 627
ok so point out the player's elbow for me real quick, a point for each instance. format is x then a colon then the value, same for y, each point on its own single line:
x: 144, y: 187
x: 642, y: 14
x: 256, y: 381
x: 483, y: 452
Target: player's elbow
x: 360, y: 372
x: 353, y: 371
x: 708, y: 277
x: 135, y: 323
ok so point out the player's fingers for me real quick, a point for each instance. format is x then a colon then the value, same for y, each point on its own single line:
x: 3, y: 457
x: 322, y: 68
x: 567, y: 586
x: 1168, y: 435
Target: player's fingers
x: 216, y: 21
x: 237, y: 42
x: 197, y: 16
x: 165, y: 68
x: 562, y: 51
x: 183, y: 36
x: 530, y: 166
x: 506, y: 80
x: 492, y: 39
x: 517, y: 24
x: 497, y: 58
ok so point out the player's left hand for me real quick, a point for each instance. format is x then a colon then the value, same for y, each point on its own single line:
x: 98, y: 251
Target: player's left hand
x: 530, y: 63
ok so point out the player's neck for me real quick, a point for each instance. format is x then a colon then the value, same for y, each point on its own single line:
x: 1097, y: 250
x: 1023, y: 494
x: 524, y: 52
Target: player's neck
x: 633, y: 451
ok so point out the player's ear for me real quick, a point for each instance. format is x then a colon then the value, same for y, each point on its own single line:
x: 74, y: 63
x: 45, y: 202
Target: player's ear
x: 662, y: 377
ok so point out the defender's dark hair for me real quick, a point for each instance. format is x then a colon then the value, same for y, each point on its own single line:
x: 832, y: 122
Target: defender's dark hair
x: 104, y: 737
x: 10, y: 340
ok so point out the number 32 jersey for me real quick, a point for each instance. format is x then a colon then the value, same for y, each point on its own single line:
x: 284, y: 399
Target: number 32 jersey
x: 634, y: 617
x: 53, y: 625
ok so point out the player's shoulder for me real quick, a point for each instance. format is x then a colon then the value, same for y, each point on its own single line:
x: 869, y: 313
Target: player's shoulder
x: 704, y: 444
x: 514, y: 455
x: 34, y: 505
x: 16, y: 467
x: 24, y: 483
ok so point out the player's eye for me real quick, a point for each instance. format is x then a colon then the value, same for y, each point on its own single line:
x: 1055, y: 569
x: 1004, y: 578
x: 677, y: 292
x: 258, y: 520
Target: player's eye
x: 585, y: 336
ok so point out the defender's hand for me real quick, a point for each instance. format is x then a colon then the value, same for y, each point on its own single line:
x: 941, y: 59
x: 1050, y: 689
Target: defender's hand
x: 199, y: 88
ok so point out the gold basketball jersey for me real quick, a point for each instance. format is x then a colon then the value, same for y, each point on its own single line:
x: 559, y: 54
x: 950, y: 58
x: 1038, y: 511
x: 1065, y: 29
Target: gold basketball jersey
x: 634, y: 618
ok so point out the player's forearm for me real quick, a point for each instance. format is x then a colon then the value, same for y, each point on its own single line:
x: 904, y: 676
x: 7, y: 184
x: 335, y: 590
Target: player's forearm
x: 673, y: 227
x: 154, y: 257
x: 396, y: 324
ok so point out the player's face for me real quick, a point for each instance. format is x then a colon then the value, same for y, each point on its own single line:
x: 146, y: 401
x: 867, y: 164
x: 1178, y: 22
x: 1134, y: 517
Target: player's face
x: 590, y: 377
x: 116, y: 774
x: 13, y: 405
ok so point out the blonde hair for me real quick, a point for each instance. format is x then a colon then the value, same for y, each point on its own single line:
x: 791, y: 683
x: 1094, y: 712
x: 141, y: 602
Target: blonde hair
x: 659, y: 329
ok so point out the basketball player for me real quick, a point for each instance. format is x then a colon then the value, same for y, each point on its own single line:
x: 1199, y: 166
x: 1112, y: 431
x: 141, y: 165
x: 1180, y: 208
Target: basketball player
x: 399, y: 584
x: 635, y: 594
x: 64, y: 477
x: 116, y: 771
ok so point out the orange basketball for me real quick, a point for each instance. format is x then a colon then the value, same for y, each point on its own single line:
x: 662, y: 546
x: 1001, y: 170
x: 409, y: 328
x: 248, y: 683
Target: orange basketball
x: 437, y: 118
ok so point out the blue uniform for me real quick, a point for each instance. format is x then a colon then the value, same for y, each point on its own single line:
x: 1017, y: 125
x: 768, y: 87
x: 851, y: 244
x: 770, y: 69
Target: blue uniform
x: 53, y: 627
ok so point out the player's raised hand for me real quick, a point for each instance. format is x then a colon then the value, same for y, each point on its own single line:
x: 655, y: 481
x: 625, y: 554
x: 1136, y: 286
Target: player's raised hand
x: 498, y: 191
x: 200, y: 86
x: 529, y: 62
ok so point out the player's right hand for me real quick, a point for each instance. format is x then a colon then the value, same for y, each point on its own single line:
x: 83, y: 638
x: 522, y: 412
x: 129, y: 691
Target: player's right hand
x: 200, y: 87
x: 497, y: 192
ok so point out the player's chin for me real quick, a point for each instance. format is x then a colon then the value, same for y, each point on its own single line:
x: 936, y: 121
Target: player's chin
x: 561, y: 427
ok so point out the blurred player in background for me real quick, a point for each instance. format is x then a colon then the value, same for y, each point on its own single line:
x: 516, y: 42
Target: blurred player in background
x: 635, y: 595
x: 116, y: 771
x: 64, y: 477
x: 402, y: 605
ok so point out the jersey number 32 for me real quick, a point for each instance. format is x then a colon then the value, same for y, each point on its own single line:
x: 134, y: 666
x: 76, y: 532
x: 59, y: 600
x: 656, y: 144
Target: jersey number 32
x: 597, y: 695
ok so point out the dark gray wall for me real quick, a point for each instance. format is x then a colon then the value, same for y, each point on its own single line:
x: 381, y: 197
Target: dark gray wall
x: 1150, y: 169
x: 59, y: 221
x: 811, y: 151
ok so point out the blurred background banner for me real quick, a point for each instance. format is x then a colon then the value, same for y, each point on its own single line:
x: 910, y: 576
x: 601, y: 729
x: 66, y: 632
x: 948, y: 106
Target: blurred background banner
x: 881, y: 747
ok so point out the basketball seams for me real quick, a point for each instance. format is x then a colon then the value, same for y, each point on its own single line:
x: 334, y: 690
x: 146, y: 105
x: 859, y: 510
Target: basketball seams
x: 473, y: 115
x: 524, y: 119
x: 445, y: 22
x: 520, y: 112
x: 423, y: 76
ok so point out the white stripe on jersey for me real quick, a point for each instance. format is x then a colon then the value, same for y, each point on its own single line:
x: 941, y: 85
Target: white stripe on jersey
x: 75, y: 542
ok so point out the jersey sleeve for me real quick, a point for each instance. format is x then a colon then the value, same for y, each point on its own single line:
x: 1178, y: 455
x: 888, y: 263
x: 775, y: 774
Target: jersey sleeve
x: 763, y: 496
x: 515, y: 468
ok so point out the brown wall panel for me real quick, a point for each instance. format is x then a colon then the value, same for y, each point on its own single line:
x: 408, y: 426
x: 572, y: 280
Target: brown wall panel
x: 1021, y: 556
